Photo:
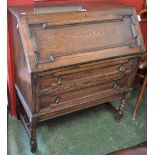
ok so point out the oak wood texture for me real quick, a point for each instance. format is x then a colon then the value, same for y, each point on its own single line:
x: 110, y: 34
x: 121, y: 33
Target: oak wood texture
x: 71, y: 60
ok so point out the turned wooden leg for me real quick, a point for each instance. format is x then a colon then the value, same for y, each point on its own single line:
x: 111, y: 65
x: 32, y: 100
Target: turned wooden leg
x: 18, y: 107
x: 33, y: 140
x: 139, y: 98
x: 29, y: 124
x: 120, y: 112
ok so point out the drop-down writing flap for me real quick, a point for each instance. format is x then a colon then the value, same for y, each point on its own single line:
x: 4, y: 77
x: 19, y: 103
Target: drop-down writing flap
x: 54, y: 37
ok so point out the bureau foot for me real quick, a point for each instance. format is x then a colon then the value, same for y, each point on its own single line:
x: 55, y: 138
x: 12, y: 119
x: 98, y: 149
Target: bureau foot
x: 120, y: 112
x: 33, y: 146
x: 33, y: 141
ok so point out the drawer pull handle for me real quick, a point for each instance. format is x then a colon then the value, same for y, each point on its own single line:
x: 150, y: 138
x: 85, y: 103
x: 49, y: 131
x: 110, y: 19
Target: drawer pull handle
x: 57, y: 100
x: 59, y: 81
x: 116, y: 86
x: 121, y: 68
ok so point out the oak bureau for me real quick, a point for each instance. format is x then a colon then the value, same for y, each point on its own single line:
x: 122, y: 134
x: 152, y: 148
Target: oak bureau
x: 70, y: 57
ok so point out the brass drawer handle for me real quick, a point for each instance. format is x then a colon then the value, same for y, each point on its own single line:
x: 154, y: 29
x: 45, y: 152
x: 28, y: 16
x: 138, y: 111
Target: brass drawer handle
x: 116, y: 86
x: 59, y: 80
x: 57, y: 99
x: 121, y: 68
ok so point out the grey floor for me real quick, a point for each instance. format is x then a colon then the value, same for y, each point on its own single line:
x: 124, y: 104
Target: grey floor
x: 90, y: 132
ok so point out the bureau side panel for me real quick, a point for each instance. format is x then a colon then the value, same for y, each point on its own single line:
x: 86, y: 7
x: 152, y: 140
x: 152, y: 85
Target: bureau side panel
x: 22, y: 75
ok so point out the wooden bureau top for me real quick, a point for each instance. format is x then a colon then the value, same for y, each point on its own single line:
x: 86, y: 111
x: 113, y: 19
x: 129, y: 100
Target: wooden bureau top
x: 59, y: 35
x: 57, y: 7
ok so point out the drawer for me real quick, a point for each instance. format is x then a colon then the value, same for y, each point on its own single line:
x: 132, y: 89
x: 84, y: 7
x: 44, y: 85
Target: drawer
x: 79, y: 84
x: 87, y: 94
x: 86, y: 75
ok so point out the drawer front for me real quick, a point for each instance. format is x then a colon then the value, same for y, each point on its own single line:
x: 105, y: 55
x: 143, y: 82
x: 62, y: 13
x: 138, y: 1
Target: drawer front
x: 84, y: 95
x: 80, y: 75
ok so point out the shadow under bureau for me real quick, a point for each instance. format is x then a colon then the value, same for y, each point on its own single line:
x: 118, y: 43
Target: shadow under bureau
x: 70, y: 57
